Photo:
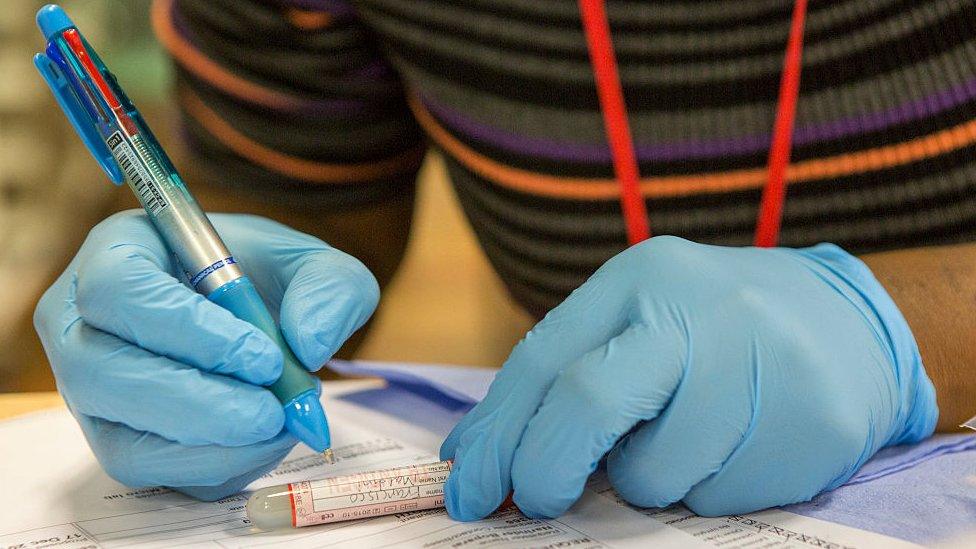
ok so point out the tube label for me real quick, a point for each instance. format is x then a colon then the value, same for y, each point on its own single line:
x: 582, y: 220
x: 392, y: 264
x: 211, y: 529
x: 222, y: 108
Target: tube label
x: 369, y: 494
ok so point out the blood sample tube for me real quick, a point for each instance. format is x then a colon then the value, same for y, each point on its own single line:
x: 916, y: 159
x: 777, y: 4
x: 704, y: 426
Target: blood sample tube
x: 349, y: 497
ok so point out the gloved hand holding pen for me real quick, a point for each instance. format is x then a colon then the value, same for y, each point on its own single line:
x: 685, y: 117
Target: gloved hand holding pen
x: 734, y: 379
x: 167, y: 385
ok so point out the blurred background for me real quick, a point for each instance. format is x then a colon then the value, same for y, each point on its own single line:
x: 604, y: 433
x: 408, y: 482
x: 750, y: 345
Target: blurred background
x: 52, y: 192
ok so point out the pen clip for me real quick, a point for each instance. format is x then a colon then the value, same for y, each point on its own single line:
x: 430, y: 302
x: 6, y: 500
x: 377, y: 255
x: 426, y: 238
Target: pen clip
x: 78, y: 115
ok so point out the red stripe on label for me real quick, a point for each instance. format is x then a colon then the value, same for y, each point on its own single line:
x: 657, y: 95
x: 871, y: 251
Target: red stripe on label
x: 294, y: 511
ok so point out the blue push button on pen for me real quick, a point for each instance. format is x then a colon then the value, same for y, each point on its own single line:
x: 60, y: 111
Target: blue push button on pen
x: 121, y: 142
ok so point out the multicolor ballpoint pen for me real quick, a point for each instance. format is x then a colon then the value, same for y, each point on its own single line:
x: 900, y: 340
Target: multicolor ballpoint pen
x: 118, y: 137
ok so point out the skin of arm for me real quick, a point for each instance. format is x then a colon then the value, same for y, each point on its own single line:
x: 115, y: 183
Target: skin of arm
x: 935, y: 288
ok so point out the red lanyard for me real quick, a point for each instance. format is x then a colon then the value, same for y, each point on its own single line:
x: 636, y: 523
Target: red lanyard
x: 596, y: 27
x: 597, y: 30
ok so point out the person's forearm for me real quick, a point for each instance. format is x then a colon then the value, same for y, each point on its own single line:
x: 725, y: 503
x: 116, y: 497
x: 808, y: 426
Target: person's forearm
x: 935, y: 288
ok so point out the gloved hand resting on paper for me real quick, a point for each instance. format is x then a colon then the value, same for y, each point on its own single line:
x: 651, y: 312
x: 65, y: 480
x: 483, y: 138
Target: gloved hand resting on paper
x: 731, y: 378
x: 167, y: 385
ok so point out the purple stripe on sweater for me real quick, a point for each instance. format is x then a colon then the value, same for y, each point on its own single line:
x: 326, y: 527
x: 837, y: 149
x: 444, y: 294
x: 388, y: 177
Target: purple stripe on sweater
x: 684, y: 150
x: 906, y: 112
x: 376, y: 70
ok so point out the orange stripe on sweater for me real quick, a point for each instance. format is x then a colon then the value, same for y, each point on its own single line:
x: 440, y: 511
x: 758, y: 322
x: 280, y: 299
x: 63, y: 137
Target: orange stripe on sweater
x: 581, y: 188
x: 308, y: 20
x: 210, y: 71
x: 292, y: 166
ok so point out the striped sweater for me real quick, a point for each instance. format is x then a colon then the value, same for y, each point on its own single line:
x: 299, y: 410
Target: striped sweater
x: 340, y: 99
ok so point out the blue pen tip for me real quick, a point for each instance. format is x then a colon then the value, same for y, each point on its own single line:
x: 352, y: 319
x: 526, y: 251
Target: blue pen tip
x: 305, y: 418
x: 51, y: 19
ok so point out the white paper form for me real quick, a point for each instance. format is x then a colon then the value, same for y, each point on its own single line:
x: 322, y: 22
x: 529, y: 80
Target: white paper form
x: 54, y: 495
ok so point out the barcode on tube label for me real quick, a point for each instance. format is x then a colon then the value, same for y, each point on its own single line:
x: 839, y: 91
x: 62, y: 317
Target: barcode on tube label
x: 136, y: 173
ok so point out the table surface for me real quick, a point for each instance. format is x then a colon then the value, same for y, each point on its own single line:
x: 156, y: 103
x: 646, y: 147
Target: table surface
x: 15, y: 404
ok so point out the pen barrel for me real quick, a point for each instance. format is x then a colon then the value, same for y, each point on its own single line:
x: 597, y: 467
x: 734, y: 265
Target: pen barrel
x: 146, y: 168
x: 187, y: 231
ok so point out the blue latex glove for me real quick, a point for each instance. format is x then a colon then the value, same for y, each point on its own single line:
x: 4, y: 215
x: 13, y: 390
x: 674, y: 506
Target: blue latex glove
x: 167, y: 385
x: 734, y: 379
